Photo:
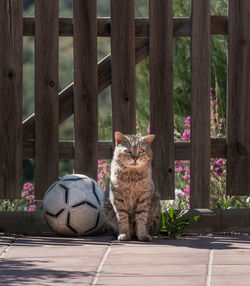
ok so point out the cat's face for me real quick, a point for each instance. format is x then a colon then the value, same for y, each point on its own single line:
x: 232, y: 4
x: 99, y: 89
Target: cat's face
x: 133, y: 151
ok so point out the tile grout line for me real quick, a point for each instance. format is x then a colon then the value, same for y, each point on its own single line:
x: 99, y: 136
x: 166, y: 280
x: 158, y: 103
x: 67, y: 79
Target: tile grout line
x: 210, y: 264
x: 99, y: 269
x: 7, y: 248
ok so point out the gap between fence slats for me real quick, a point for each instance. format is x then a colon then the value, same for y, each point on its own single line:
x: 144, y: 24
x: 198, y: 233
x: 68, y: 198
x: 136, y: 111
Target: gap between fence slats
x: 123, y: 66
x: 238, y: 104
x: 46, y: 94
x: 200, y: 105
x: 85, y: 87
x: 161, y: 95
x: 11, y: 47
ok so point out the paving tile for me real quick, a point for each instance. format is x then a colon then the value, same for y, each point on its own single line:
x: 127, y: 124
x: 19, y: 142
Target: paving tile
x: 181, y: 259
x: 231, y: 270
x: 151, y: 281
x: 153, y: 270
x: 5, y: 241
x: 243, y: 258
x: 230, y: 243
x: 195, y: 242
x: 157, y: 249
x: 230, y: 280
x: 50, y: 261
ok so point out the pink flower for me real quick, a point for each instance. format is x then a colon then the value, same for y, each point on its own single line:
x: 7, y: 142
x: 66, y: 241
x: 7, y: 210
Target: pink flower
x: 179, y: 169
x: 32, y: 208
x: 148, y: 129
x: 219, y: 162
x: 187, y: 121
x: 187, y: 192
x: 39, y: 201
x: 26, y: 192
x: 186, y: 135
x: 27, y: 197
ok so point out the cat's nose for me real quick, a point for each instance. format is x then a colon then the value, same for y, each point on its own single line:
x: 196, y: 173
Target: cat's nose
x: 135, y: 158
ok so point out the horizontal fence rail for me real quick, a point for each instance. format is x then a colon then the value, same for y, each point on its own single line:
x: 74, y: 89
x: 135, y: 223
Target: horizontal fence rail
x: 181, y: 26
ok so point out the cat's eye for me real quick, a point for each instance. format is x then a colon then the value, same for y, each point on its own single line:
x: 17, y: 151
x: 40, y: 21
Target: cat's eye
x: 127, y: 151
x: 141, y: 151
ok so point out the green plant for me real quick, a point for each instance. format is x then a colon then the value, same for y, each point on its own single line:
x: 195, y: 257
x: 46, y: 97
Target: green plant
x: 173, y: 223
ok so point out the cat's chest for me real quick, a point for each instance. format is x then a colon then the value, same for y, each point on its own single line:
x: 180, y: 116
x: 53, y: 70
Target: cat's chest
x: 130, y: 193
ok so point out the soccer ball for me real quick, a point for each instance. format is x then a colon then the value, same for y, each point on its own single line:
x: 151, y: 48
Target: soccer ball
x: 73, y: 206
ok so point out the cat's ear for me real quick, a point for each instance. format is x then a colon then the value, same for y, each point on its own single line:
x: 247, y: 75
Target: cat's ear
x: 149, y: 138
x: 119, y: 137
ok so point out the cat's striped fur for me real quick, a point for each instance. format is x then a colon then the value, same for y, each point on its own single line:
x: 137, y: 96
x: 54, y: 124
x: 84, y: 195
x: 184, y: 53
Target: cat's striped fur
x: 132, y: 204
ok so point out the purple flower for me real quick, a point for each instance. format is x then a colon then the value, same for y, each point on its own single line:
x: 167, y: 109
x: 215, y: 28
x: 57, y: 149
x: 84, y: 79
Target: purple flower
x: 219, y: 171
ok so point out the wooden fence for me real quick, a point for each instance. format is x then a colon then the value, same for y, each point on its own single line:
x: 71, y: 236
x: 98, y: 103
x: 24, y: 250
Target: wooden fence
x: 131, y: 41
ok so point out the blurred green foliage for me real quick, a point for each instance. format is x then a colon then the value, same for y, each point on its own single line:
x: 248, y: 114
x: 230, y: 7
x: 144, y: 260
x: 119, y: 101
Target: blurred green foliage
x: 181, y: 8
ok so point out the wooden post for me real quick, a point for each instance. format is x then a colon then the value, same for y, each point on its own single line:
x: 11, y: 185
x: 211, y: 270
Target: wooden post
x: 123, y: 66
x: 11, y: 53
x: 238, y: 101
x: 85, y: 87
x: 46, y: 95
x: 161, y: 95
x: 200, y: 105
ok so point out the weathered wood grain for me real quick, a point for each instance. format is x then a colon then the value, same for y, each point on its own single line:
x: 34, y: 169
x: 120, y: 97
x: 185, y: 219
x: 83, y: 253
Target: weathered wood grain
x: 123, y: 66
x: 161, y: 95
x: 181, y: 149
x: 66, y: 150
x: 238, y: 108
x: 46, y: 91
x: 200, y: 105
x: 85, y: 87
x: 181, y: 26
x: 11, y: 47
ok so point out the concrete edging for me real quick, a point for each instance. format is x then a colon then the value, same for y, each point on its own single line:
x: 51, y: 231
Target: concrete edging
x: 216, y: 220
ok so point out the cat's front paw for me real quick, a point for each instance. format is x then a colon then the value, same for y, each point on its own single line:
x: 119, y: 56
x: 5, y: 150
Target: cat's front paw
x: 124, y: 236
x: 144, y: 237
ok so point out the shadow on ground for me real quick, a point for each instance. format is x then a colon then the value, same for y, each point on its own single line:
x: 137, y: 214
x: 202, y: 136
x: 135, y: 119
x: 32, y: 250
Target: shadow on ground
x: 13, y: 272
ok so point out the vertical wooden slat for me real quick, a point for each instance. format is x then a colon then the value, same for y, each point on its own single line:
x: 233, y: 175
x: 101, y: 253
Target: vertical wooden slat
x: 46, y: 90
x: 11, y: 31
x: 200, y: 105
x: 238, y: 104
x: 161, y: 95
x: 123, y: 66
x: 85, y: 87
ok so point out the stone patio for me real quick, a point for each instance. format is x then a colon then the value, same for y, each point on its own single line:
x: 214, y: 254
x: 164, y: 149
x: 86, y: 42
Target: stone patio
x: 189, y: 261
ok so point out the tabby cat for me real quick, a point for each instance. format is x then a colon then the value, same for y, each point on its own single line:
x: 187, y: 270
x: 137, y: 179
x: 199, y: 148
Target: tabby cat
x: 132, y: 204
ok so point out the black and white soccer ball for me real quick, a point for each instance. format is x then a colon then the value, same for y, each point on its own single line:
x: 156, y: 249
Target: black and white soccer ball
x: 73, y: 206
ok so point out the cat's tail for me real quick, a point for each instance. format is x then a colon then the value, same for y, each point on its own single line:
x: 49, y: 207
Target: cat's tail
x: 110, y: 221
